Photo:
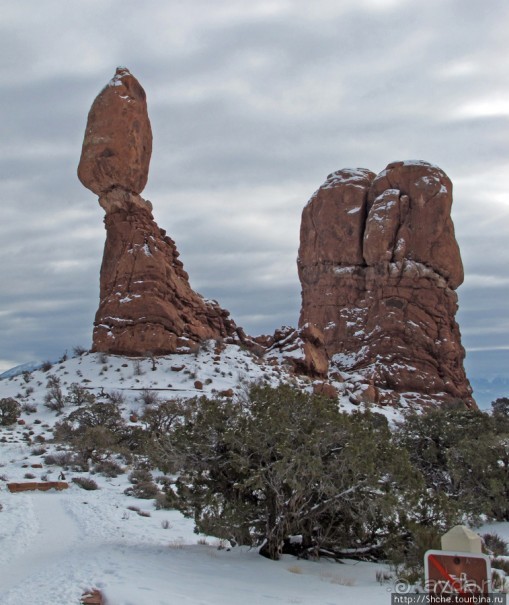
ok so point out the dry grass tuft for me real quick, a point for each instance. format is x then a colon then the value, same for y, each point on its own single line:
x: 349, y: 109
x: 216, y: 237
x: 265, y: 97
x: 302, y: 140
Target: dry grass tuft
x: 335, y: 578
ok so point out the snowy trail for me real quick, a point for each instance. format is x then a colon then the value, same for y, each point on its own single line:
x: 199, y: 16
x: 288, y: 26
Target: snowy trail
x: 41, y: 560
x: 69, y: 542
x: 44, y: 549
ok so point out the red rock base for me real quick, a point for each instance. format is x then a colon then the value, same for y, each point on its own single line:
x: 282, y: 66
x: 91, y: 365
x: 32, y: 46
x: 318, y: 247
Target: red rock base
x: 42, y: 487
x: 92, y: 597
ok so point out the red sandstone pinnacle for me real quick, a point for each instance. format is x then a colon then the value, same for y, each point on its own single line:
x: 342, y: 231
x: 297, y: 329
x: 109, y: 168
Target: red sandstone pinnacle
x: 379, y: 263
x: 146, y: 302
x: 118, y: 138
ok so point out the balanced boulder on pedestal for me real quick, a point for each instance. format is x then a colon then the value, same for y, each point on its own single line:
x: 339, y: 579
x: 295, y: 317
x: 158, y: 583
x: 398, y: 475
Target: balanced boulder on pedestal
x: 146, y: 302
x: 118, y: 138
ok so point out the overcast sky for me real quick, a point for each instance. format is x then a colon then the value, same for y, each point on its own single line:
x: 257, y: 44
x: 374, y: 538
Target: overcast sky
x: 253, y: 103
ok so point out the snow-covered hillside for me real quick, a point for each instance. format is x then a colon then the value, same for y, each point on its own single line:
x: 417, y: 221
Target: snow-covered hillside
x: 210, y: 371
x: 170, y: 376
x: 55, y: 545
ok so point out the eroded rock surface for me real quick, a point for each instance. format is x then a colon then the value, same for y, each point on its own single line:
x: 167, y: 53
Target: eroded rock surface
x: 379, y: 265
x: 146, y: 302
x: 118, y: 138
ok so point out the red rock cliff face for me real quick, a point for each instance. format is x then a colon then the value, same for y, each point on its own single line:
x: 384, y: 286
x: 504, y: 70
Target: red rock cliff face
x: 379, y: 265
x: 146, y: 301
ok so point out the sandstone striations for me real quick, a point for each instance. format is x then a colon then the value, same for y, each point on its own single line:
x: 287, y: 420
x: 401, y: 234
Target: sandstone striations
x: 379, y: 265
x: 146, y: 302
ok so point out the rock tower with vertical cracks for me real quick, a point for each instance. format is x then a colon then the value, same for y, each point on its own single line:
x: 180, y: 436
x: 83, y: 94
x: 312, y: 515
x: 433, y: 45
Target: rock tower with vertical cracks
x: 379, y: 265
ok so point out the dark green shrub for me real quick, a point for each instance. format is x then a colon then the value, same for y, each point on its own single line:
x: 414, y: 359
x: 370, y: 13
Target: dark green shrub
x: 495, y: 544
x: 500, y: 407
x: 284, y: 462
x: 94, y: 414
x: 463, y: 456
x: 78, y: 395
x: 10, y: 410
x: 94, y: 430
x: 503, y: 564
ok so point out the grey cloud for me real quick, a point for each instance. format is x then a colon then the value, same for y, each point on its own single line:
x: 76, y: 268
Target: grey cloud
x: 250, y: 112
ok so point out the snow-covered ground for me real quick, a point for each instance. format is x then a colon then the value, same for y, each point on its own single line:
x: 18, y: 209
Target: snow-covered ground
x: 172, y: 376
x: 55, y: 545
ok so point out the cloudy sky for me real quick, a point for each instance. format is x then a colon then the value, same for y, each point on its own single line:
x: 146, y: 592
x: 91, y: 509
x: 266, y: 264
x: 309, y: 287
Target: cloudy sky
x: 252, y: 103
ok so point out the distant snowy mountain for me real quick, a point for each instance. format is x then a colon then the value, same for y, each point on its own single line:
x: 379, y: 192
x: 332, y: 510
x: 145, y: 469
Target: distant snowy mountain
x: 31, y: 366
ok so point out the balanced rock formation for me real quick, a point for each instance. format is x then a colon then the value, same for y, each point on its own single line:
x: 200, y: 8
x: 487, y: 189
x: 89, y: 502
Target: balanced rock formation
x: 379, y: 265
x: 146, y: 302
x: 118, y: 138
